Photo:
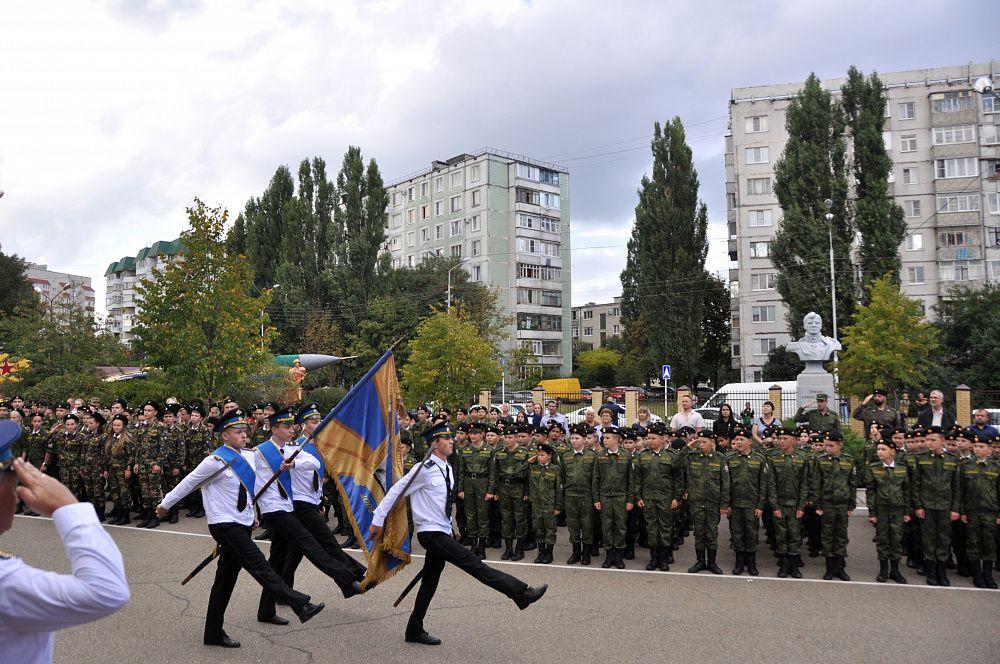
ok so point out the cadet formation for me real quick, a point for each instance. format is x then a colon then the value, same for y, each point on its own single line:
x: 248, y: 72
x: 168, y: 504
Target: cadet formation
x: 933, y: 492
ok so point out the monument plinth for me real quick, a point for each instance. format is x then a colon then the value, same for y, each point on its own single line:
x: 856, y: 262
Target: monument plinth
x: 814, y: 349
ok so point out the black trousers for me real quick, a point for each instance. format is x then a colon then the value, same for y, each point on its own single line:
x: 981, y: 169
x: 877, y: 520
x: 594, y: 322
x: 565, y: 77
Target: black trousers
x: 287, y: 535
x: 442, y: 548
x: 313, y: 520
x: 238, y: 551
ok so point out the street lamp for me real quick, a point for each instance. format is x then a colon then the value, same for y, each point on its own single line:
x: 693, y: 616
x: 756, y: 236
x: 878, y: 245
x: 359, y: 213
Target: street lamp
x: 457, y: 265
x: 833, y: 280
x: 55, y: 295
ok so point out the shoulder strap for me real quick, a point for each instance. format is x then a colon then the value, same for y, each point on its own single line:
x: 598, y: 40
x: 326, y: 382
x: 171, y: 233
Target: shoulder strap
x: 274, y: 459
x: 240, y: 466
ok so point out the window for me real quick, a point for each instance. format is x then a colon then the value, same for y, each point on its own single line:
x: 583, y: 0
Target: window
x: 958, y: 203
x: 475, y: 223
x: 527, y: 172
x: 762, y: 282
x: 541, y: 322
x: 550, y: 347
x: 763, y: 314
x: 909, y: 176
x: 551, y: 298
x: 604, y: 321
x: 952, y: 135
x: 397, y: 198
x: 887, y: 142
x: 395, y: 243
x: 990, y: 134
x: 409, y: 261
x: 764, y: 345
x: 456, y: 251
x: 456, y: 227
x: 960, y: 270
x: 425, y: 188
x: 549, y: 200
x: 438, y: 211
x: 527, y: 296
x: 477, y: 273
x: 760, y: 249
x: 908, y: 143
x: 548, y: 177
x: 757, y: 218
x: 456, y: 203
x: 991, y: 169
x: 955, y: 239
x: 475, y: 172
x: 532, y: 246
x: 946, y: 102
x: 588, y: 331
x: 990, y: 105
x: 438, y: 184
x: 477, y: 247
x: 456, y: 179
x: 410, y: 239
x: 537, y: 222
x: 915, y: 275
x: 411, y: 215
x: 993, y: 233
x: 993, y: 202
x: 959, y: 167
x: 477, y: 197
x: 439, y: 231
x: 914, y: 241
x: 912, y: 208
x: 409, y: 193
x: 425, y: 211
x: 755, y: 124
x: 736, y: 350
x: 758, y: 186
x: 588, y: 314
x: 529, y: 196
x: 757, y: 376
x: 425, y: 235
x: 907, y: 110
x: 617, y: 329
x: 529, y: 271
x: 397, y: 221
x: 616, y: 312
x: 757, y: 155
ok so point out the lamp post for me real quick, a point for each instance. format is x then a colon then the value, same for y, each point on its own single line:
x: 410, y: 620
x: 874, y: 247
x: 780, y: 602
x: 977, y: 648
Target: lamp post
x: 458, y: 265
x: 833, y: 283
x: 54, y: 296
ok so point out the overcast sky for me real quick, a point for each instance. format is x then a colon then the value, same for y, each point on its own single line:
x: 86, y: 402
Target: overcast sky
x: 114, y: 115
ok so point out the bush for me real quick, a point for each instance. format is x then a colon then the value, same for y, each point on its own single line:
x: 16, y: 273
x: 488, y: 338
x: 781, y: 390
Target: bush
x: 140, y: 390
x: 55, y: 389
x: 326, y: 397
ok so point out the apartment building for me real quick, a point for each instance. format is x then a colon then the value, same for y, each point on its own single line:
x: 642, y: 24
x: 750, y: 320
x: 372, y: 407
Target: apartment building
x: 122, y: 301
x: 61, y: 293
x: 594, y: 323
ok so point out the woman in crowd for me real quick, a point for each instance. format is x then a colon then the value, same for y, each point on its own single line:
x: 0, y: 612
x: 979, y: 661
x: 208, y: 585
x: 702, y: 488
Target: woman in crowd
x: 764, y: 421
x: 725, y: 423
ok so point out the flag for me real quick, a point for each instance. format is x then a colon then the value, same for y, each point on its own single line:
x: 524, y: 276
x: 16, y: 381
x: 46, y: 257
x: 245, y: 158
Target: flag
x: 359, y: 442
x: 11, y: 369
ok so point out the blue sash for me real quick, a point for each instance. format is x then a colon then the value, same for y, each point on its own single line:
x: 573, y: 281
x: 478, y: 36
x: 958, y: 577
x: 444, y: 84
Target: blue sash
x: 240, y: 466
x: 274, y: 459
x: 310, y: 447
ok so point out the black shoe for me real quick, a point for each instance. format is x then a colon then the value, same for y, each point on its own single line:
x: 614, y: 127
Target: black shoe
x: 931, y: 572
x: 783, y: 567
x: 738, y: 567
x: 839, y: 571
x: 481, y: 548
x: 912, y: 563
x: 308, y: 611
x: 351, y: 543
x: 142, y: 519
x: 351, y: 590
x: 264, y: 536
x: 654, y: 559
x: 530, y: 595
x: 619, y: 561
x: 154, y: 522
x: 712, y: 566
x: 530, y: 544
x: 508, y: 550
x: 942, y: 574
x: 629, y: 552
x: 518, y: 550
x: 883, y: 571
x: 101, y: 518
x: 595, y: 550
x: 540, y: 558
x: 831, y: 564
x: 584, y: 554
x: 191, y: 512
x: 423, y: 638
x: 174, y: 515
x: 752, y: 563
x: 964, y: 567
x: 894, y: 572
x: 700, y: 565
x: 224, y: 642
x: 608, y: 559
x: 669, y: 552
x: 273, y: 620
x: 665, y: 559
x: 793, y: 566
x: 977, y: 574
x: 574, y: 557
x: 988, y: 575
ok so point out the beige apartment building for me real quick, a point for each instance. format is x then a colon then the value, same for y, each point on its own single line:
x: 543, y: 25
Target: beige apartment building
x: 594, y: 323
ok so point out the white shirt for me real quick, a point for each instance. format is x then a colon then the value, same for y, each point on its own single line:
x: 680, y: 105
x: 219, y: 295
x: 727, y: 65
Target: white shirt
x: 271, y: 500
x: 35, y: 603
x: 220, y: 496
x: 558, y: 417
x: 692, y: 419
x: 936, y: 416
x: 302, y: 476
x: 427, y: 496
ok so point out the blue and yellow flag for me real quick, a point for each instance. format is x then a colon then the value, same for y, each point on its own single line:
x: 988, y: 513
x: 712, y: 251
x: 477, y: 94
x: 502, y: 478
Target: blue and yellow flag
x: 359, y: 441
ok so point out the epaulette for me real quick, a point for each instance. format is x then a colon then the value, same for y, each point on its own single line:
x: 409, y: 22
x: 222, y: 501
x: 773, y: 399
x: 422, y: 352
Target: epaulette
x: 429, y: 464
x: 4, y: 555
x: 218, y: 458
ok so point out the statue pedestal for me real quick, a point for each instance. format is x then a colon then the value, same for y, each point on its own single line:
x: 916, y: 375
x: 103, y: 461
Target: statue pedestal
x: 812, y: 381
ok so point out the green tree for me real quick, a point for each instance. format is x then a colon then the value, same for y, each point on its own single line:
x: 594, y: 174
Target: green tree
x: 715, y: 360
x: 968, y: 322
x: 879, y: 220
x: 599, y: 367
x: 449, y: 362
x: 211, y: 343
x: 812, y: 169
x: 16, y: 291
x: 663, y: 284
x: 781, y: 364
x: 887, y: 345
x: 264, y: 218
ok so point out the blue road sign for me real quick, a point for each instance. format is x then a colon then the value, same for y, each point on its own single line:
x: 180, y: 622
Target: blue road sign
x: 666, y: 372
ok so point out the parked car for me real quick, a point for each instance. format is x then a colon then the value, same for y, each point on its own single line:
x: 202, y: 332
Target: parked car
x: 515, y: 408
x: 619, y: 392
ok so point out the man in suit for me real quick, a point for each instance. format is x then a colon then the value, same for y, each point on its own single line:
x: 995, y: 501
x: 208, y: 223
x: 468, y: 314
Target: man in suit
x: 936, y: 415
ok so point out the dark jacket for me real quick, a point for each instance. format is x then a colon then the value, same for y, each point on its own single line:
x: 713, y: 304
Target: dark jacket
x: 926, y: 417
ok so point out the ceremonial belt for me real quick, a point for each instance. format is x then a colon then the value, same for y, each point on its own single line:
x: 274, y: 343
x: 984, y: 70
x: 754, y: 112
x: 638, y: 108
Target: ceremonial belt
x: 274, y: 459
x: 241, y: 467
x: 310, y: 448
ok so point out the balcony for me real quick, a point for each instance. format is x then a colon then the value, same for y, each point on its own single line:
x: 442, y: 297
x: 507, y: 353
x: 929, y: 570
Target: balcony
x: 733, y: 246
x: 972, y: 253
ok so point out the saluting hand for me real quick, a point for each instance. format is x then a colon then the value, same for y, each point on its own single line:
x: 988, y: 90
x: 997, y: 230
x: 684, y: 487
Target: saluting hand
x: 40, y: 492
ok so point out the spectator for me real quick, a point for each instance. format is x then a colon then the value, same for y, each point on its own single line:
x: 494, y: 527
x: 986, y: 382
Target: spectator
x: 687, y: 417
x: 644, y: 419
x: 982, y: 427
x: 881, y: 414
x: 590, y: 419
x: 505, y: 413
x: 767, y: 419
x: 616, y: 410
x: 606, y: 420
x: 553, y: 415
x: 936, y: 414
x: 536, y: 415
x: 725, y: 423
x: 747, y: 415
x: 522, y: 417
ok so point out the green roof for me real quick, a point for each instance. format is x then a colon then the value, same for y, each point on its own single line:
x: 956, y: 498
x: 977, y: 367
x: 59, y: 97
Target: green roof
x: 160, y: 248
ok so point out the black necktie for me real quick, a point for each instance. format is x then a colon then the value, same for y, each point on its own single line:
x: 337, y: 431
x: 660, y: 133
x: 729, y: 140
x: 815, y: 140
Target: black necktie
x: 281, y: 489
x: 241, y: 502
x: 315, y: 481
x: 447, y: 490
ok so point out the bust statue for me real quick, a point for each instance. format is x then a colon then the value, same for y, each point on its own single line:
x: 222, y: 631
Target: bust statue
x: 814, y: 347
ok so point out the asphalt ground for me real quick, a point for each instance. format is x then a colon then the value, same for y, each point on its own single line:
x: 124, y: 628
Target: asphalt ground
x: 588, y: 615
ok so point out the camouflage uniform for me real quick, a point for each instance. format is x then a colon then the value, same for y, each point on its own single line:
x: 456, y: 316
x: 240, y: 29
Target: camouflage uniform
x: 94, y: 464
x: 35, y: 444
x: 474, y: 475
x: 69, y: 450
x: 118, y: 450
x: 509, y: 481
x: 149, y: 452
x: 545, y: 490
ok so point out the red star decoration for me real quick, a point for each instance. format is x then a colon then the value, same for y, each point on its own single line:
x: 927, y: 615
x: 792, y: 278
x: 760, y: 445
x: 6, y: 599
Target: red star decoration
x: 6, y: 368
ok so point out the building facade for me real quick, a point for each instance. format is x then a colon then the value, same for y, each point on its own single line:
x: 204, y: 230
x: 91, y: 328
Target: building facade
x: 507, y: 218
x: 62, y: 294
x: 594, y: 324
x: 944, y: 142
x: 122, y: 301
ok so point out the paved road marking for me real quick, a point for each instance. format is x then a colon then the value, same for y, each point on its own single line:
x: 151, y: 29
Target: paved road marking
x: 598, y: 568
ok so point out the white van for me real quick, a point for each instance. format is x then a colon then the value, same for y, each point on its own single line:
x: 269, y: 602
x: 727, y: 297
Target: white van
x: 738, y: 394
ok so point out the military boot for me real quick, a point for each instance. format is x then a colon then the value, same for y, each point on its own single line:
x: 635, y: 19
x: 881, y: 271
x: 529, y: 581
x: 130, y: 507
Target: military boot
x: 654, y: 558
x: 548, y: 554
x: 540, y: 558
x: 143, y: 519
x: 174, y: 514
x: 508, y: 552
x: 831, y: 565
x: 942, y: 574
x: 668, y: 553
x: 964, y: 565
x: 595, y: 550
x: 100, y: 513
x: 619, y: 560
x: 629, y: 551
x: 740, y: 563
x: 529, y: 542
x: 663, y: 556
x: 751, y: 560
x: 894, y: 572
x: 154, y: 521
x: 931, y: 573
x: 518, y: 549
x: 794, y: 563
x: 839, y: 571
x: 712, y: 566
x: 977, y: 574
x: 699, y: 566
x: 584, y: 554
x: 574, y: 557
x: 609, y: 558
x: 988, y: 575
x: 883, y: 571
